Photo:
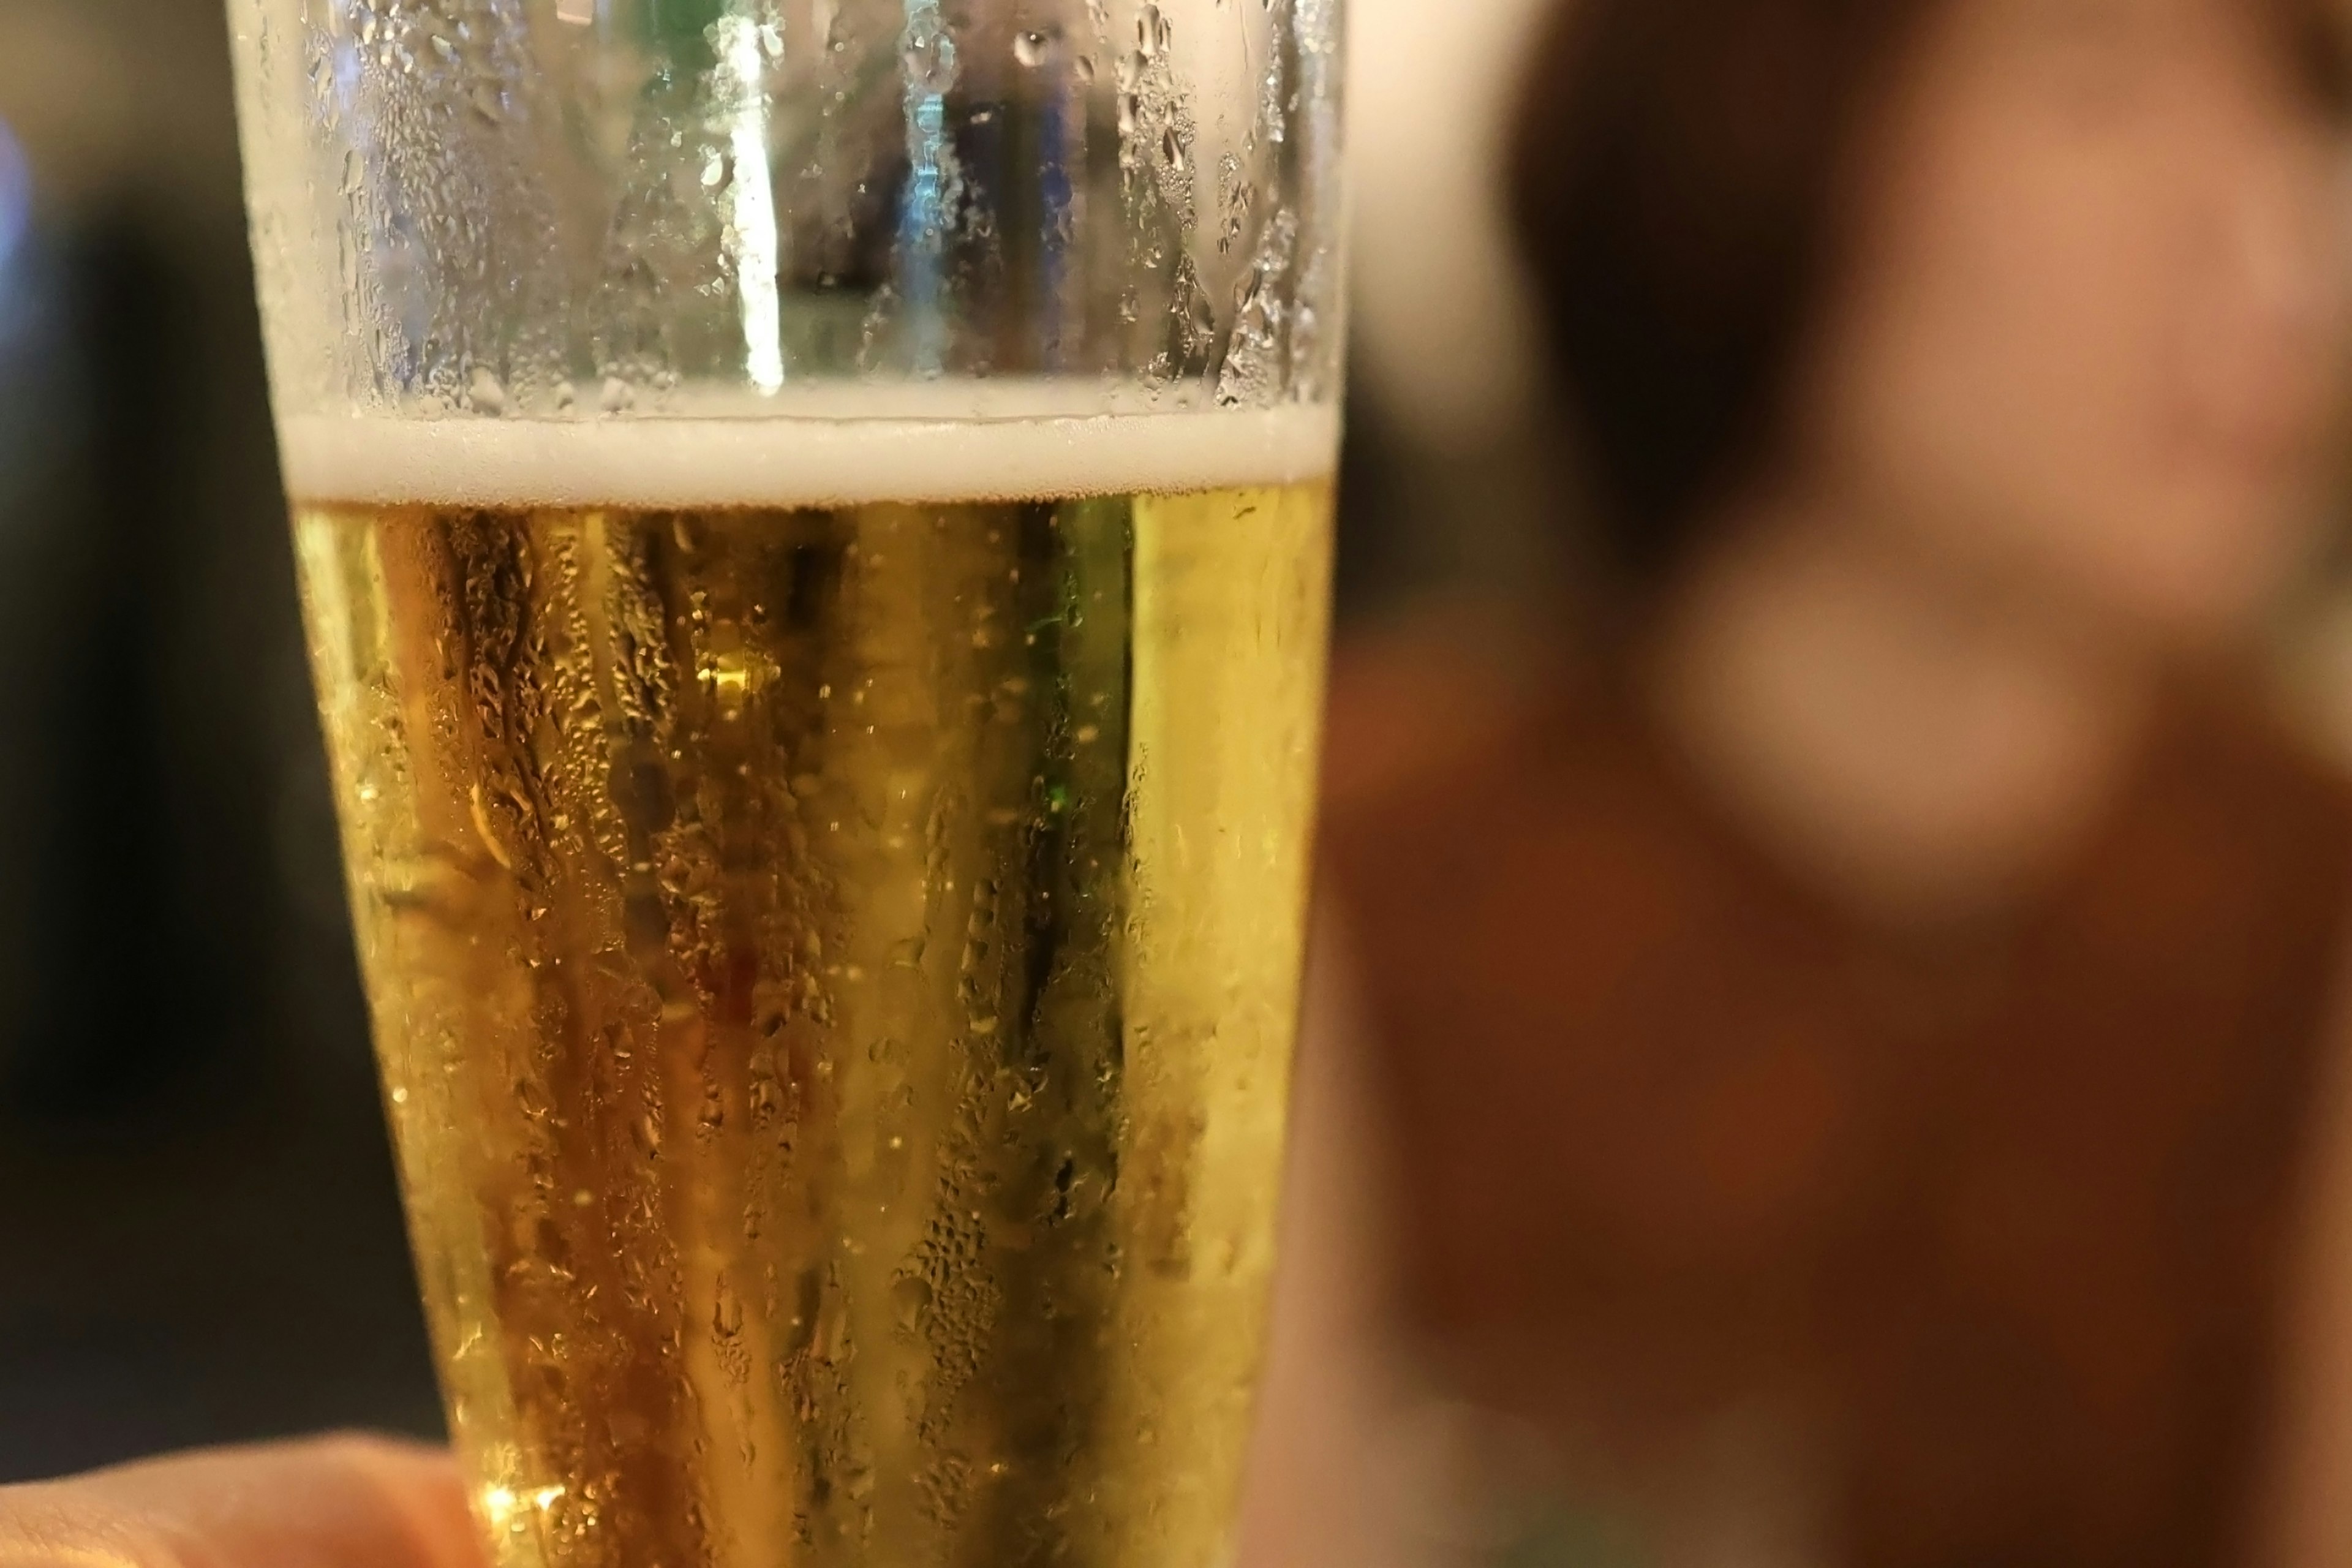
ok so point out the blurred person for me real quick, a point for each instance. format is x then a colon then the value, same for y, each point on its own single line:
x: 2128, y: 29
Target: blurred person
x: 1862, y: 1048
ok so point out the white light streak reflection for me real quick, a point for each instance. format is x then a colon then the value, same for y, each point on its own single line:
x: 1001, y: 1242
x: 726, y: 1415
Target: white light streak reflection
x: 752, y: 242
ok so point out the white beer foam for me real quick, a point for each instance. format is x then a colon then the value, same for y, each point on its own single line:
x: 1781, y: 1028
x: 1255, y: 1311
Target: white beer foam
x: 797, y: 460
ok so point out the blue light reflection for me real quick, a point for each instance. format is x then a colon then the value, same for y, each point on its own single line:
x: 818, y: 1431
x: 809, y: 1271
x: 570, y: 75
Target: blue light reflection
x: 930, y: 54
x: 16, y: 201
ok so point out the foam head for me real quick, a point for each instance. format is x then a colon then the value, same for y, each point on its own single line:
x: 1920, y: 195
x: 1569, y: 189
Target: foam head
x: 721, y: 461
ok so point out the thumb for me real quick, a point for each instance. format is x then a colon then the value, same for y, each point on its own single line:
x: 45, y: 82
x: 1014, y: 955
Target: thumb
x: 338, y: 1502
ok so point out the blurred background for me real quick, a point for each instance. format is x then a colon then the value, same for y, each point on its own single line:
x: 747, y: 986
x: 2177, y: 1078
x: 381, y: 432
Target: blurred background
x: 199, y: 1220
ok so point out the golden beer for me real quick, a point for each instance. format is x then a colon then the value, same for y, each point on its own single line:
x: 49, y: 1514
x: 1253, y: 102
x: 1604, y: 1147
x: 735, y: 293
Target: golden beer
x: 835, y: 960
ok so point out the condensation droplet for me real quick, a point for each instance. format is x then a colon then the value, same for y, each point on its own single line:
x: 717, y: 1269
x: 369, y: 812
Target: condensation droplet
x: 1152, y: 34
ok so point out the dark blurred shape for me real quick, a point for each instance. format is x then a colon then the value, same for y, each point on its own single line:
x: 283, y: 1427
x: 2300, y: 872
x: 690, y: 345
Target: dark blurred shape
x: 1452, y: 474
x: 1423, y: 525
x: 1674, y: 204
x: 198, y: 1210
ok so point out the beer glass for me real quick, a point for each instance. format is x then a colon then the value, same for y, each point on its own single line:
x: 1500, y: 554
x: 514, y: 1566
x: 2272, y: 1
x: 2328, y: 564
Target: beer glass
x: 813, y: 519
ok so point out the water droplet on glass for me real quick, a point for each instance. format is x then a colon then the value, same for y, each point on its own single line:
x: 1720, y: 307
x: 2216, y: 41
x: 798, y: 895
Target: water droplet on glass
x: 913, y: 1298
x: 1032, y: 49
x: 727, y: 1315
x: 1152, y: 32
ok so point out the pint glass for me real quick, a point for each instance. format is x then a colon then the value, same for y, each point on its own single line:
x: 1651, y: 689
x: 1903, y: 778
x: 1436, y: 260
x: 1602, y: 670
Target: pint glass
x: 813, y: 523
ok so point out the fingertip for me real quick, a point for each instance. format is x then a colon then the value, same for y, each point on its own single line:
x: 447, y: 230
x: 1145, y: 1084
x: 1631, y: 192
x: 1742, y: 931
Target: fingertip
x: 420, y: 1483
x: 395, y: 1462
x: 350, y: 1501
